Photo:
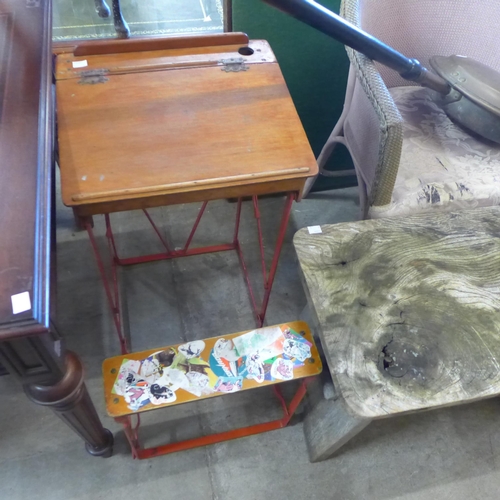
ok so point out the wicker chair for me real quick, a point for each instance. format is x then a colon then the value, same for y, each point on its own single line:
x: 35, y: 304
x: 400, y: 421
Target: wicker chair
x: 408, y: 155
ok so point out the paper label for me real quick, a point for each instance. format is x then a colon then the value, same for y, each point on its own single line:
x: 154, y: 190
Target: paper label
x: 80, y: 64
x: 20, y: 302
x: 314, y: 229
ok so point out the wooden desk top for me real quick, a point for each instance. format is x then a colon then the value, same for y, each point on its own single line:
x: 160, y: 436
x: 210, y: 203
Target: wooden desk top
x: 26, y: 122
x: 177, y: 125
x: 408, y: 309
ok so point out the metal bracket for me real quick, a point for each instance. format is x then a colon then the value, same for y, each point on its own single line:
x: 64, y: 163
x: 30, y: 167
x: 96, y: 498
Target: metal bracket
x: 93, y: 76
x: 233, y: 64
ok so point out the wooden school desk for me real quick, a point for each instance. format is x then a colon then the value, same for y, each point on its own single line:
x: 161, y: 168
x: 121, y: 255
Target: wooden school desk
x: 152, y: 122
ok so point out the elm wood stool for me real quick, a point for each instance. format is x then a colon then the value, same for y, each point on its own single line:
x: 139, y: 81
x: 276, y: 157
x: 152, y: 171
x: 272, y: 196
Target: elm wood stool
x: 155, y: 122
x: 201, y: 369
x: 408, y: 313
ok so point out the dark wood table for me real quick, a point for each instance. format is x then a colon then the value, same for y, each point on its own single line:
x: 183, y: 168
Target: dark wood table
x: 31, y: 349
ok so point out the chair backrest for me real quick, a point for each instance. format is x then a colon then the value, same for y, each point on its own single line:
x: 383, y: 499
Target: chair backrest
x: 423, y: 28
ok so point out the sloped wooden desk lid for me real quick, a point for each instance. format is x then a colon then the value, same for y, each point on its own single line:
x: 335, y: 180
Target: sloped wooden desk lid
x: 176, y: 120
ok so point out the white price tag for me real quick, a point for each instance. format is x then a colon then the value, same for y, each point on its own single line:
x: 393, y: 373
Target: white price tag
x: 20, y: 302
x: 80, y: 64
x: 314, y: 229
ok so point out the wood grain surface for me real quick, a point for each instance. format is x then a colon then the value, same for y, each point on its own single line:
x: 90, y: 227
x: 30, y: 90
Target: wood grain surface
x: 409, y: 309
x: 147, y: 133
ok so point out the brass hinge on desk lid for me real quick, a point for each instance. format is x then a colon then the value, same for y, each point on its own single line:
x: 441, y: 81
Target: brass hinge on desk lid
x: 234, y: 64
x: 93, y: 76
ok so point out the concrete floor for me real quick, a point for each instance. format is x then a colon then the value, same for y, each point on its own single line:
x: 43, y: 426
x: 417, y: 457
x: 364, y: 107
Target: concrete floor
x: 452, y: 453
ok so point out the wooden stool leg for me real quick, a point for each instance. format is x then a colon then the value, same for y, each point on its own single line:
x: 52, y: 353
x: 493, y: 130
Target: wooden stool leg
x: 328, y: 426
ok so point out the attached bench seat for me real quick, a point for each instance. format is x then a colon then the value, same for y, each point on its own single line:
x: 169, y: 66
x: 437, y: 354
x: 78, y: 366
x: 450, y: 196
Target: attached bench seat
x: 200, y: 369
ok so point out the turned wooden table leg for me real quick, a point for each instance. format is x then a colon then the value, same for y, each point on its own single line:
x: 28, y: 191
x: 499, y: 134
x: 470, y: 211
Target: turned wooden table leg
x: 102, y: 8
x: 70, y: 401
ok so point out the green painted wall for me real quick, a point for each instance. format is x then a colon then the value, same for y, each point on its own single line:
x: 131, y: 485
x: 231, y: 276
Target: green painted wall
x: 315, y: 69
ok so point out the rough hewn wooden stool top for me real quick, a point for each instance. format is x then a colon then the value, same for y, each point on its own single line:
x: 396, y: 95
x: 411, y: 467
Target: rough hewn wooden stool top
x: 408, y: 309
